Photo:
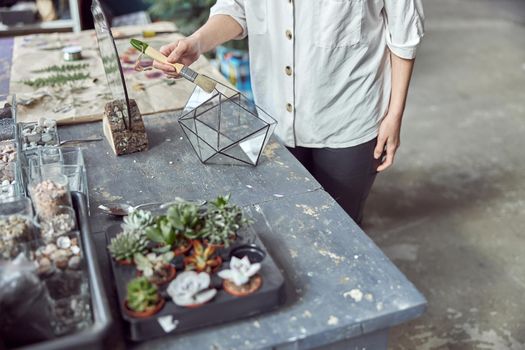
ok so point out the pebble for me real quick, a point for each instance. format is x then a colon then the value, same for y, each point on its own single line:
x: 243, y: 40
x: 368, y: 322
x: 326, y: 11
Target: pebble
x: 63, y: 242
x: 64, y: 254
x: 49, y: 249
x: 75, y: 249
x: 74, y: 263
x: 43, y: 133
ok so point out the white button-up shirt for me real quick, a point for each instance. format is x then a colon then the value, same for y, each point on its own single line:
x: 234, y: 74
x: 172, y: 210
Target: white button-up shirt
x: 322, y: 67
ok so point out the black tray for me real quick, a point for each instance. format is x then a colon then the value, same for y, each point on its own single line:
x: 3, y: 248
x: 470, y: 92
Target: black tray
x: 222, y: 308
x: 97, y: 336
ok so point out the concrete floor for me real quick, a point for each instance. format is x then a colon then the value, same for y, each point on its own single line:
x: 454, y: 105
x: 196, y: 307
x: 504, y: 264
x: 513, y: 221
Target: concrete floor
x: 450, y: 214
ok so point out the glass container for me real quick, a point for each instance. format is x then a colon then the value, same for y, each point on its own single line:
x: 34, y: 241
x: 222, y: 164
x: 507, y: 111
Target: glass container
x: 225, y: 127
x: 49, y: 193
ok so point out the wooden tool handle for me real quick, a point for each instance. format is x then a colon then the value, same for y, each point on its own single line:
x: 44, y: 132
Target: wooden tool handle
x: 157, y: 56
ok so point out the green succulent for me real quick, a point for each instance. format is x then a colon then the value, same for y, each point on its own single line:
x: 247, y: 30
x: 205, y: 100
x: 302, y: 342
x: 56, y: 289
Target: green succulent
x: 223, y: 220
x: 126, y: 244
x: 186, y: 219
x: 142, y: 294
x: 138, y: 220
x: 163, y: 232
x: 151, y: 263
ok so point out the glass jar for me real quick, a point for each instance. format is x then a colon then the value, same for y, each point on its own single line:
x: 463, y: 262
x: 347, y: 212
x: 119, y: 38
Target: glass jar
x: 49, y: 193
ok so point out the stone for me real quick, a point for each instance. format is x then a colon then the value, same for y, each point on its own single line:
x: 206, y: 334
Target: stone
x: 74, y: 262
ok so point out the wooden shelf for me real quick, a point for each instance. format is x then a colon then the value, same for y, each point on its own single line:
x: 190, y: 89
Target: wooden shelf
x: 60, y: 25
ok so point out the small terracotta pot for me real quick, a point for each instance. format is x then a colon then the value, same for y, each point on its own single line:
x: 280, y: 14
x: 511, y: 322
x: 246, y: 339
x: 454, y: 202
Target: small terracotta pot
x: 146, y: 313
x: 251, y: 287
x: 184, y: 249
x: 171, y: 275
x: 126, y: 262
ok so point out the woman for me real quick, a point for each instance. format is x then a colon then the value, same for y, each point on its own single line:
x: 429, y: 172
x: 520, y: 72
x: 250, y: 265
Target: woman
x: 334, y: 73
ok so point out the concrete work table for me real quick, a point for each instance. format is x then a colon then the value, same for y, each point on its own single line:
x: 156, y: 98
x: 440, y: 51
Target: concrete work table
x: 341, y: 290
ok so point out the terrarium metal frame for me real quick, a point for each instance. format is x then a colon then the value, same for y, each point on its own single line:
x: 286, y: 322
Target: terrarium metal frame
x: 190, y: 119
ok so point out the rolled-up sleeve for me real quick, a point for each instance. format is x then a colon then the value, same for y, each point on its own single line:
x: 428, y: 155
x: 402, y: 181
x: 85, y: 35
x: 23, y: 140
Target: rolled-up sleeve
x: 404, y: 26
x: 234, y: 9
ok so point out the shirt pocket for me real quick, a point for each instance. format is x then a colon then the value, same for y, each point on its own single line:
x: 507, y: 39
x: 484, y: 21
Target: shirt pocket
x: 256, y: 16
x: 339, y: 23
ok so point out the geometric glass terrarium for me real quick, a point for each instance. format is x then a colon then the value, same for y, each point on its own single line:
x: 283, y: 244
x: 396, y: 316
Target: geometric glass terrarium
x: 225, y: 127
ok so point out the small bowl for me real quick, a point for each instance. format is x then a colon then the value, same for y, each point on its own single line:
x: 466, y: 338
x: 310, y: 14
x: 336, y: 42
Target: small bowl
x: 253, y: 252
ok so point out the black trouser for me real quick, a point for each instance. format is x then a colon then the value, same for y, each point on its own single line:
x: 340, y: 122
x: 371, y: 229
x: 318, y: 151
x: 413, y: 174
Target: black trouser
x: 346, y: 173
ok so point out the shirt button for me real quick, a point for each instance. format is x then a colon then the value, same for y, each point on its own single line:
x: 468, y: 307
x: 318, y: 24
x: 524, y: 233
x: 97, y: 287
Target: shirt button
x: 288, y: 70
x: 289, y: 34
x: 289, y: 107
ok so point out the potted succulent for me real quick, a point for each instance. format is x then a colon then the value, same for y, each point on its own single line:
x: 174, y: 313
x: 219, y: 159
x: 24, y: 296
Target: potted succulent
x: 188, y: 222
x: 223, y: 220
x: 138, y: 221
x: 156, y: 268
x: 187, y: 219
x: 202, y: 259
x: 162, y: 233
x: 191, y: 289
x: 125, y: 245
x: 143, y: 299
x: 241, y: 278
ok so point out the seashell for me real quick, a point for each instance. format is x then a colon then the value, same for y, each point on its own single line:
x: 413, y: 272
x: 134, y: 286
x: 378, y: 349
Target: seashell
x: 75, y: 249
x: 64, y: 242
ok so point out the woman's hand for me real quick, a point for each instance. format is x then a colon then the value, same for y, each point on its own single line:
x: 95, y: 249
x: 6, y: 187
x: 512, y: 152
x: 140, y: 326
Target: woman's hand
x: 388, y: 140
x: 185, y: 51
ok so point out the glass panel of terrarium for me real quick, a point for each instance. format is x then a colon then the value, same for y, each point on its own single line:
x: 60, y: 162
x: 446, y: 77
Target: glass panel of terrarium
x: 197, y: 98
x: 203, y: 150
x: 236, y: 123
x: 225, y: 90
x: 261, y: 114
x: 224, y: 159
x: 207, y: 127
x: 248, y: 149
x: 110, y: 57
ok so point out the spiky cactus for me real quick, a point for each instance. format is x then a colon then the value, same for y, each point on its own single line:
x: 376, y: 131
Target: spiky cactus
x: 138, y: 220
x: 142, y: 294
x: 126, y: 244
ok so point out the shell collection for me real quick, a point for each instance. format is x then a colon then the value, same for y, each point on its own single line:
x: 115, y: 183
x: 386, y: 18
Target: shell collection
x: 15, y: 229
x: 43, y: 133
x: 63, y: 254
x: 48, y: 196
x: 56, y: 226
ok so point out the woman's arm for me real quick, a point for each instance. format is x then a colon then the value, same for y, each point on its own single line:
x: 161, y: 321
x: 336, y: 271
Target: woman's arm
x: 388, y: 138
x: 217, y: 30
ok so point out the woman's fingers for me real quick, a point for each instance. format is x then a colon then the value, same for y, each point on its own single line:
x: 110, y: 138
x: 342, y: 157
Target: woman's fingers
x: 166, y: 68
x: 391, y: 149
x: 178, y: 51
x: 380, y: 147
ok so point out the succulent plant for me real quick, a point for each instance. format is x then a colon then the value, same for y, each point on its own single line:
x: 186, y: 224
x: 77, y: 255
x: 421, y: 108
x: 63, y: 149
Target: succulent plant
x: 142, y: 294
x: 126, y: 244
x: 164, y: 233
x: 223, y: 220
x: 138, y: 220
x: 202, y: 259
x: 240, y: 271
x: 186, y: 219
x: 191, y: 288
x: 152, y: 263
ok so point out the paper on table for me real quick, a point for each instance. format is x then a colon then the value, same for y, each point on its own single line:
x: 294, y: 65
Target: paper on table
x: 84, y: 101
